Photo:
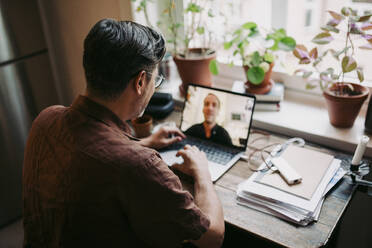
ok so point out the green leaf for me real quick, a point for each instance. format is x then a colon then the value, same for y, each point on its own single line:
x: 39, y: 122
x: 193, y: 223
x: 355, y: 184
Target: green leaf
x: 227, y: 45
x: 310, y: 86
x: 255, y: 75
x: 231, y: 64
x: 317, y: 61
x: 348, y: 64
x: 356, y: 30
x: 305, y: 61
x: 287, y: 44
x: 192, y: 7
x: 346, y: 11
x: 238, y: 32
x: 275, y: 47
x: 330, y: 28
x: 200, y: 30
x: 322, y: 38
x: 210, y: 13
x: 314, y: 53
x: 236, y: 39
x: 336, y: 15
x: 256, y: 59
x: 268, y: 57
x: 364, y: 18
x: 253, y: 33
x: 249, y: 25
x: 330, y: 71
x: 360, y: 74
x: 278, y: 34
x: 300, y: 52
x: 336, y: 55
x: 213, y: 67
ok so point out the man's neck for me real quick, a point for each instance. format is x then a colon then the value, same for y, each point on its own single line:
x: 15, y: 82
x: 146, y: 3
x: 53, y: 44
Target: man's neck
x: 208, y: 126
x: 115, y: 106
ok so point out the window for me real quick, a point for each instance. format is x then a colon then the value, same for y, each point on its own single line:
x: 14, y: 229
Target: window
x: 302, y: 20
x: 308, y: 18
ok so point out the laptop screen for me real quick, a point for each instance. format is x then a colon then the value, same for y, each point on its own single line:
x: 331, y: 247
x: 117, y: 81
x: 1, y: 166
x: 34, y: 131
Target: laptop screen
x: 217, y: 115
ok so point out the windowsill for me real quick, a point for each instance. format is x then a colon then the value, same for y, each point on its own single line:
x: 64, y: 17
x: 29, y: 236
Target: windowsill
x: 301, y: 115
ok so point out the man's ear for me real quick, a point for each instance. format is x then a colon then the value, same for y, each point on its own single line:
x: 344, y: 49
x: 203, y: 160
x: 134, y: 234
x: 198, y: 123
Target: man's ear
x: 140, y: 82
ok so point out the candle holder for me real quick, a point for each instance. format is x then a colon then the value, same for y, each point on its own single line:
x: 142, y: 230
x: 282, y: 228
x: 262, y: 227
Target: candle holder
x: 357, y: 172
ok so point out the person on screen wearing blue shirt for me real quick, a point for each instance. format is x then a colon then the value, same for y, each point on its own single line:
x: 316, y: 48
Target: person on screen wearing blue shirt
x: 209, y: 129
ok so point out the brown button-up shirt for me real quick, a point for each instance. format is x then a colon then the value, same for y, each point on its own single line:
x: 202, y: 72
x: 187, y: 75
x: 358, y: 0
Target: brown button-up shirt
x: 88, y: 183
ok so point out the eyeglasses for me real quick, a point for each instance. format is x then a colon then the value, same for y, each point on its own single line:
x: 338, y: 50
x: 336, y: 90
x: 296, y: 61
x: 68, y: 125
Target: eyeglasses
x: 159, y: 79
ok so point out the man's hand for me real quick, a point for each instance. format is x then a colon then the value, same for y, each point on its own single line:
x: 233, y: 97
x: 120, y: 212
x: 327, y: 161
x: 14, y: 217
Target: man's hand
x: 165, y: 136
x: 194, y: 164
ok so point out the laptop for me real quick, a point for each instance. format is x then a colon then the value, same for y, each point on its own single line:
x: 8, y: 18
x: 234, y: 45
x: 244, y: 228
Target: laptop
x: 218, y: 122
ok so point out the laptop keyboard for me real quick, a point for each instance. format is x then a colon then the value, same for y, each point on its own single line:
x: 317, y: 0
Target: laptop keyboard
x: 215, y: 153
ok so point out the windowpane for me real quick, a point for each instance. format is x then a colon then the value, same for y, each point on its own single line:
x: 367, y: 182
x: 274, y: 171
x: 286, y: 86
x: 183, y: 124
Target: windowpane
x: 302, y: 20
x: 308, y: 18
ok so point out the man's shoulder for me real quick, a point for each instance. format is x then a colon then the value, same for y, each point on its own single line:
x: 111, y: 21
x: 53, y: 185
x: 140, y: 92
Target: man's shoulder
x: 79, y: 133
x: 196, y: 126
x: 221, y: 128
x: 48, y: 113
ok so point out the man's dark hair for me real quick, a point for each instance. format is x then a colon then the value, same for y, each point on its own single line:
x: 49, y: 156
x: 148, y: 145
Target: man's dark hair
x: 115, y: 52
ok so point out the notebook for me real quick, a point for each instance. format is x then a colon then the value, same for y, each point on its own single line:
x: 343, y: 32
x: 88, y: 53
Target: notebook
x: 229, y: 113
x: 311, y: 165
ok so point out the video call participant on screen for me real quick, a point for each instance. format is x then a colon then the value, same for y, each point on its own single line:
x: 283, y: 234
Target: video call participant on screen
x: 209, y: 129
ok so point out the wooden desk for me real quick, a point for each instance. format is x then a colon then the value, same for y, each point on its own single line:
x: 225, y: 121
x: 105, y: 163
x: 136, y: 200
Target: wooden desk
x: 269, y: 227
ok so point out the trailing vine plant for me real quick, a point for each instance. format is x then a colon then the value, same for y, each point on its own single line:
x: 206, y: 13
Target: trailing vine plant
x: 355, y: 27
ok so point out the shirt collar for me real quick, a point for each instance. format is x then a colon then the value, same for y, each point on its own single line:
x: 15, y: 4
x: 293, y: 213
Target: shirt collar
x: 101, y: 113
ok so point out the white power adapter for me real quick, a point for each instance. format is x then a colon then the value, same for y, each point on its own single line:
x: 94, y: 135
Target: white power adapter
x: 286, y: 171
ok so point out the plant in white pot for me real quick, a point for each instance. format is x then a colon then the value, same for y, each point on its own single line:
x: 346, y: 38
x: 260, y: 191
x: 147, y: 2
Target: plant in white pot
x: 343, y: 99
x: 256, y: 49
x: 194, y: 64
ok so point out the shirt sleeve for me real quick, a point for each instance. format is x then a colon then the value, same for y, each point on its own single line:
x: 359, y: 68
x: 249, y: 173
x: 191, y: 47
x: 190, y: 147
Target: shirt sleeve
x: 160, y: 212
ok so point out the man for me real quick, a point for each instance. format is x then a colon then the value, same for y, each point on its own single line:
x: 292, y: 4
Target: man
x: 209, y: 129
x: 89, y: 183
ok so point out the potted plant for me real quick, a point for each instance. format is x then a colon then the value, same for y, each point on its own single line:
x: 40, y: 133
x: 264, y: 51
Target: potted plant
x: 256, y: 51
x: 343, y: 99
x: 194, y: 64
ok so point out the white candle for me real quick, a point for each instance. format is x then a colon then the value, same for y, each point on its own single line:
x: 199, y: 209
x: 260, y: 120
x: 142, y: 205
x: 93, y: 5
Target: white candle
x: 359, y: 151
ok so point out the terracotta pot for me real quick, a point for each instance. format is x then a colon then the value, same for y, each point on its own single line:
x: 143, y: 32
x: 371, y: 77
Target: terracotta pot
x: 194, y: 69
x: 142, y: 126
x: 343, y: 109
x: 262, y: 88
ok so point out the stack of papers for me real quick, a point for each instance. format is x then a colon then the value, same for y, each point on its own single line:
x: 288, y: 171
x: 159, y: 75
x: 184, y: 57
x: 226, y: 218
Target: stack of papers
x: 301, y: 203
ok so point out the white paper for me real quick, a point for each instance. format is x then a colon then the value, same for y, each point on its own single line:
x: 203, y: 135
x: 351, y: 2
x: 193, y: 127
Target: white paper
x: 286, y: 211
x: 251, y: 187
